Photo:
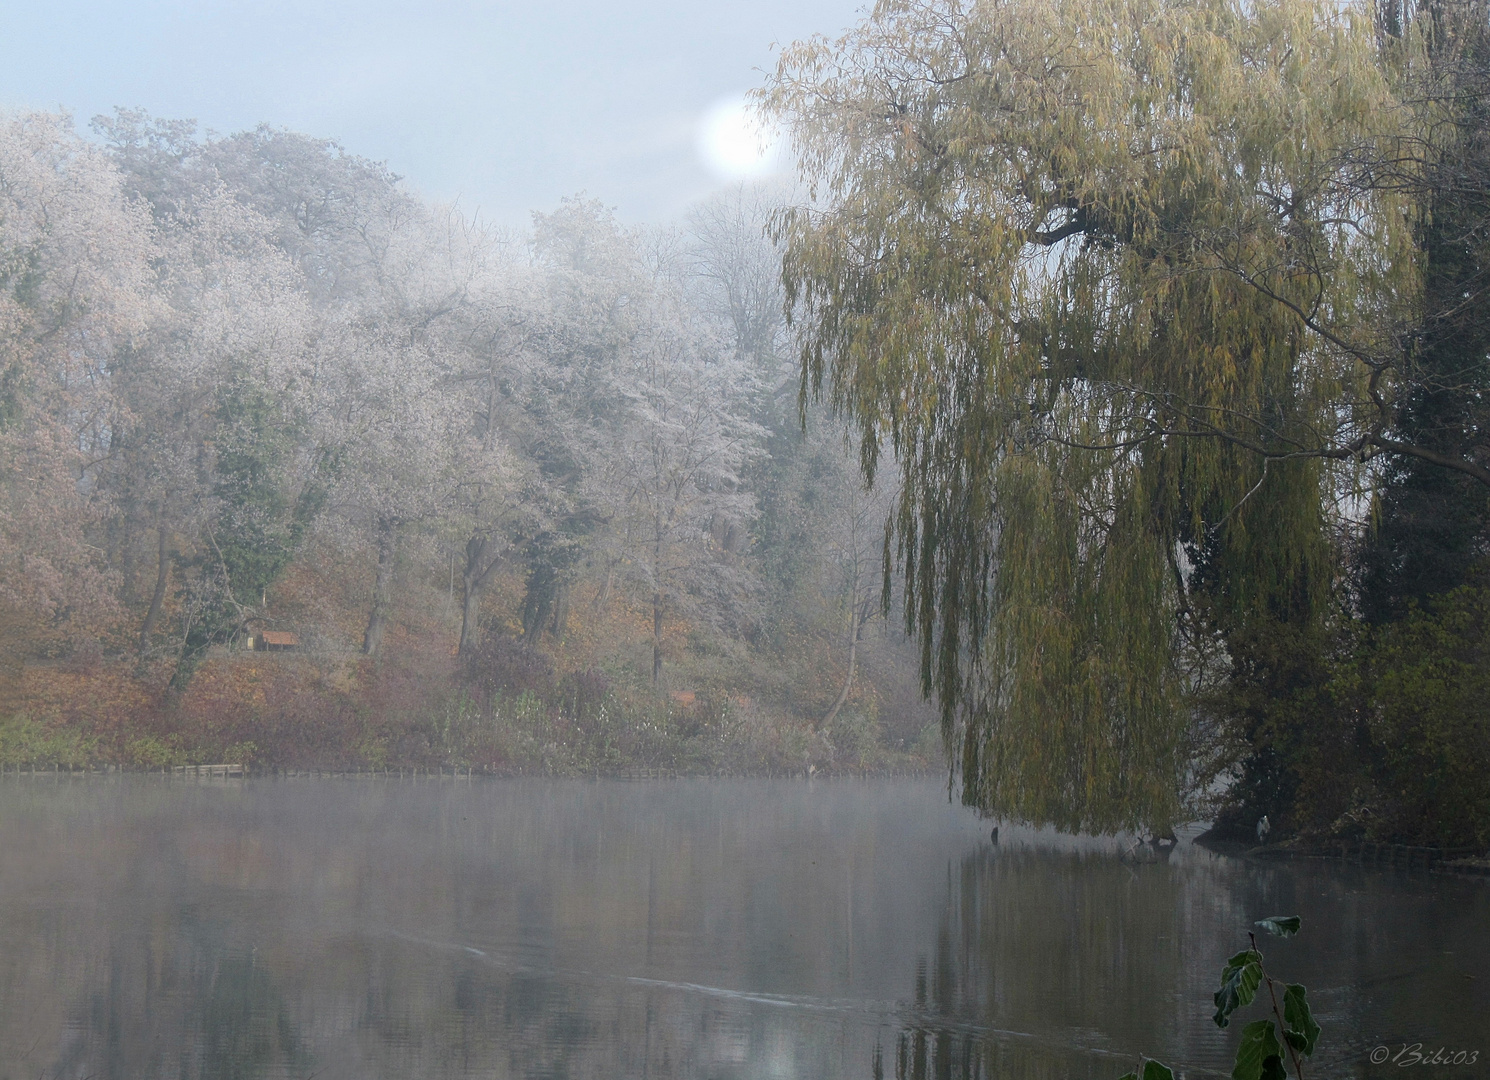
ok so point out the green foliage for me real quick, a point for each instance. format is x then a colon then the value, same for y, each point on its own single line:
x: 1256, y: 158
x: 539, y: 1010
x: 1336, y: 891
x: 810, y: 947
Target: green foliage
x: 261, y: 517
x: 25, y: 741
x: 1119, y: 287
x: 1361, y: 731
x: 1151, y: 1070
x: 1277, y: 710
x: 1430, y: 524
x: 1239, y: 981
x: 1300, y: 1029
x: 855, y: 736
x: 1260, y: 1056
x: 551, y: 558
x: 150, y: 752
x: 1280, y: 926
x: 245, y: 752
x: 1067, y: 295
x: 1361, y: 721
x: 1424, y: 682
x: 263, y: 507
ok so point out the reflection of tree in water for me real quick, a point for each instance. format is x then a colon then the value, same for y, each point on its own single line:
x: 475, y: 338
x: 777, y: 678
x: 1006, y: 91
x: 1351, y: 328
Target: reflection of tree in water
x: 929, y: 1049
x: 1046, y: 964
x: 244, y: 1028
x: 530, y: 1023
x: 214, y: 1016
x: 393, y: 943
x: 935, y: 1044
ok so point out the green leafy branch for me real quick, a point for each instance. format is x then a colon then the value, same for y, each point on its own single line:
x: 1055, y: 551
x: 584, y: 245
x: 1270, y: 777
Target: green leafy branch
x: 1260, y: 1056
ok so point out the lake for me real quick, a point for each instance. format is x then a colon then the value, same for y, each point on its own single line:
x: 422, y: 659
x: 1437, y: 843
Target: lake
x: 691, y: 928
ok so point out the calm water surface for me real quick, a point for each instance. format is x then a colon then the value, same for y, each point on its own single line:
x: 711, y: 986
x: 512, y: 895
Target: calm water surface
x: 528, y: 928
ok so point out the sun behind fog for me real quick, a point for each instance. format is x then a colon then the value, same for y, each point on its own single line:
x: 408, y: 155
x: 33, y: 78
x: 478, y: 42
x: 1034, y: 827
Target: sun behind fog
x: 734, y: 142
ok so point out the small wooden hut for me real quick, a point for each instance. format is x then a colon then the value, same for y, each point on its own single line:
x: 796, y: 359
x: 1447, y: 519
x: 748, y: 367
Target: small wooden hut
x: 273, y: 641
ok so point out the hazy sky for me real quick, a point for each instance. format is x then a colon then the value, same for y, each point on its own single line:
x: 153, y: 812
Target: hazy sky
x: 508, y: 106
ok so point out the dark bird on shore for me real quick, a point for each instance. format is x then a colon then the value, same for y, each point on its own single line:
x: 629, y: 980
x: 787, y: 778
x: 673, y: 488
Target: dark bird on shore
x: 995, y: 836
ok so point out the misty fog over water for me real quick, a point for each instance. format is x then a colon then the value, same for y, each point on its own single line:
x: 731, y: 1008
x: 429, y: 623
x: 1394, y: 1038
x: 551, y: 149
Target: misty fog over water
x: 694, y: 929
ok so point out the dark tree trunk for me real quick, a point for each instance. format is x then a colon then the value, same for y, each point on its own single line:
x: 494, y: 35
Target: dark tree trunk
x: 377, y: 620
x: 656, y: 638
x: 539, y: 599
x: 480, y: 562
x: 561, y: 609
x: 469, y: 610
x: 157, y: 598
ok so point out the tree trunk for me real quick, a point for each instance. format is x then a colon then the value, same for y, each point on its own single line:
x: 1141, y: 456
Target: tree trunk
x: 561, y: 610
x: 656, y: 638
x: 157, y: 598
x: 469, y: 610
x: 603, y: 596
x: 129, y: 573
x: 853, y: 656
x: 657, y: 534
x: 377, y: 620
x: 477, y: 569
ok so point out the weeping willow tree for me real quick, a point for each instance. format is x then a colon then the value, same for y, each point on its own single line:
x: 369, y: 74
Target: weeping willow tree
x: 1119, y: 283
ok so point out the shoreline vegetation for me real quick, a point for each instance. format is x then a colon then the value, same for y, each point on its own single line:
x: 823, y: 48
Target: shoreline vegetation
x: 506, y: 709
x: 318, y: 716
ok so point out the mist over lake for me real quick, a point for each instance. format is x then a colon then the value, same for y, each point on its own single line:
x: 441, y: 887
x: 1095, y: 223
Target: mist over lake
x: 734, y: 928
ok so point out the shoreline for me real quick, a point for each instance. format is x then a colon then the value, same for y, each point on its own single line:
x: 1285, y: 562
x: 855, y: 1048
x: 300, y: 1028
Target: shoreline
x: 462, y: 773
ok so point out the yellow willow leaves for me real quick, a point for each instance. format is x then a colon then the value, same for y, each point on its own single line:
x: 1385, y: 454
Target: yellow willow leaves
x: 1061, y: 262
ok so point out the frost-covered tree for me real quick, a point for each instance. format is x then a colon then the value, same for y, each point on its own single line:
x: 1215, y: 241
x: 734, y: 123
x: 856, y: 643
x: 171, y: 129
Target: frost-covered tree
x: 674, y: 491
x: 204, y: 462
x: 75, y: 293
x: 251, y: 381
x: 394, y: 418
x: 852, y: 548
x: 733, y: 273
x: 491, y: 357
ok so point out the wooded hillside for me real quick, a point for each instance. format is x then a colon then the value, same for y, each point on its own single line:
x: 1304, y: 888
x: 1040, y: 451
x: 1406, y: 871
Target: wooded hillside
x: 540, y: 500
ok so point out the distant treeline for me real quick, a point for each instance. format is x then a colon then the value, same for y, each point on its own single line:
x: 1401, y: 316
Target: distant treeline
x: 252, y: 384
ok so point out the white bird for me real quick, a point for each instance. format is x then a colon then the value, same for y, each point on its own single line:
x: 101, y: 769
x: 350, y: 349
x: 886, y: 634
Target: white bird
x: 1263, y: 828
